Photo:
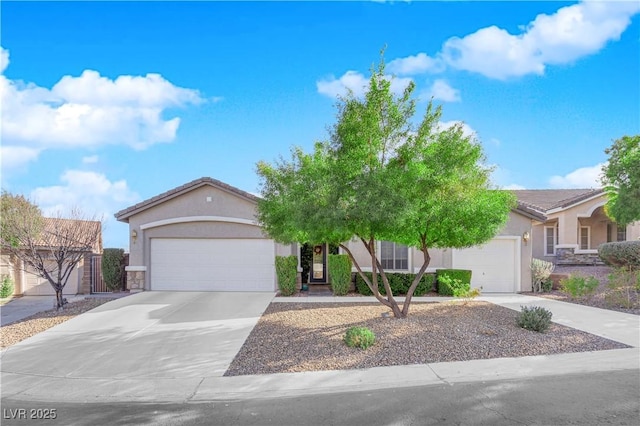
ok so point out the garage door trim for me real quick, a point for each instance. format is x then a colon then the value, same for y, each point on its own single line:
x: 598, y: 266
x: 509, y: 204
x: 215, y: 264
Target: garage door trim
x: 187, y: 219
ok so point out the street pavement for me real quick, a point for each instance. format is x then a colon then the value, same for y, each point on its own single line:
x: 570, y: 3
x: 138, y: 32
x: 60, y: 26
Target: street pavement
x: 173, y: 347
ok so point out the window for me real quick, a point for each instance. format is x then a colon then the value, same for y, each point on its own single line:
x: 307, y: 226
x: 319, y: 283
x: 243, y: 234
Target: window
x: 550, y: 237
x: 609, y: 232
x: 585, y: 237
x: 394, y: 256
x: 622, y: 233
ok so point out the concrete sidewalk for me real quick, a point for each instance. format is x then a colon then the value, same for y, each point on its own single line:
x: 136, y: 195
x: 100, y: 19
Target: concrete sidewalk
x: 24, y: 306
x: 183, y: 382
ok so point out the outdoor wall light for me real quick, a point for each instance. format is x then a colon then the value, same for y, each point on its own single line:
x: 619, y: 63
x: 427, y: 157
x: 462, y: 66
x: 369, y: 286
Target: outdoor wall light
x: 134, y: 235
x: 526, y: 237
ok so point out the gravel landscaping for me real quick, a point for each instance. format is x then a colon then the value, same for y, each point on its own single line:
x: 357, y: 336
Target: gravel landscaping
x: 294, y: 337
x: 37, y: 323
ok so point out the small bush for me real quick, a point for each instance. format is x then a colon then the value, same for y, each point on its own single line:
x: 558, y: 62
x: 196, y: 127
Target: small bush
x: 624, y: 286
x: 625, y: 254
x: 578, y: 286
x: 398, y: 282
x: 535, y: 318
x: 287, y: 272
x: 340, y: 273
x: 453, y: 281
x: 112, y: 260
x: 7, y: 287
x: 547, y: 285
x: 540, y: 271
x: 359, y: 337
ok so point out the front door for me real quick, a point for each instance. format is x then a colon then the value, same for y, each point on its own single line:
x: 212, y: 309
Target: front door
x: 318, y: 273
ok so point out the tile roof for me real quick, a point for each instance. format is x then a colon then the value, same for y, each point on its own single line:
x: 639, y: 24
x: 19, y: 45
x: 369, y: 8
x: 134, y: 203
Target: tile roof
x: 543, y: 200
x: 123, y: 215
x: 58, y: 231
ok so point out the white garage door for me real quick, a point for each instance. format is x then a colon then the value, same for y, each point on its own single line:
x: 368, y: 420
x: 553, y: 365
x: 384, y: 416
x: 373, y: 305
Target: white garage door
x: 495, y: 266
x: 192, y: 264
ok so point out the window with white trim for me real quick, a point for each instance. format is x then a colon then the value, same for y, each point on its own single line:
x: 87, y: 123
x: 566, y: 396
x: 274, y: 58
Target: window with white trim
x: 622, y: 233
x: 550, y: 240
x: 394, y: 256
x: 585, y: 237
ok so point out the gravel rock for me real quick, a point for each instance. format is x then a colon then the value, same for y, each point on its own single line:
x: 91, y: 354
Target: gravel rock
x: 294, y: 337
x: 37, y: 323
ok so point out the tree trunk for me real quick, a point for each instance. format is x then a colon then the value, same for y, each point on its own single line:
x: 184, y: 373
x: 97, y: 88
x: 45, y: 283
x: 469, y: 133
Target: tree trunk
x: 59, y: 299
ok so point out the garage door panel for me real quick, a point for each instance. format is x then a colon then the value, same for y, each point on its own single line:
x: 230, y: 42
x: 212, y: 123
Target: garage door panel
x: 212, y: 264
x: 494, y: 265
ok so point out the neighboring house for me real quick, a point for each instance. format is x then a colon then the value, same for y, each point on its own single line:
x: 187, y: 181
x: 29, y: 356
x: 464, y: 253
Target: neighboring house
x: 201, y: 236
x: 29, y: 284
x: 575, y: 225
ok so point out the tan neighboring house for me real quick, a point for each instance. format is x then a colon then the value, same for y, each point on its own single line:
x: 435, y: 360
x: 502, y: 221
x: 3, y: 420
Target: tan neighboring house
x: 28, y: 283
x: 576, y: 225
x: 201, y: 236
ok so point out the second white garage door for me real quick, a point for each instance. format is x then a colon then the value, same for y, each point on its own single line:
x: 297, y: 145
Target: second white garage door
x: 495, y: 266
x: 191, y: 264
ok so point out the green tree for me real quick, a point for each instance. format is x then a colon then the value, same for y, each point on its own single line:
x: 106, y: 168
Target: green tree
x: 48, y: 247
x: 381, y: 178
x: 621, y: 179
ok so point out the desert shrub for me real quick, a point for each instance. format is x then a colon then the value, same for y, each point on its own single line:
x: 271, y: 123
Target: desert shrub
x: 112, y: 260
x: 470, y: 294
x: 623, y: 288
x: 453, y: 282
x: 398, y: 282
x: 359, y: 337
x: 340, y: 273
x: 287, y: 272
x: 547, y: 285
x: 540, y: 271
x: 624, y: 254
x: 535, y: 318
x: 578, y: 286
x: 7, y: 287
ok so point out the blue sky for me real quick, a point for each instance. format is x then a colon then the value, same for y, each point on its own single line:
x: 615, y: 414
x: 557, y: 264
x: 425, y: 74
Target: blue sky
x: 105, y: 104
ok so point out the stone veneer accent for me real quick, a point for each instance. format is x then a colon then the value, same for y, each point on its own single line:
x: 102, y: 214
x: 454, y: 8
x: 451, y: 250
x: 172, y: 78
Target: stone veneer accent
x: 135, y: 281
x: 567, y: 256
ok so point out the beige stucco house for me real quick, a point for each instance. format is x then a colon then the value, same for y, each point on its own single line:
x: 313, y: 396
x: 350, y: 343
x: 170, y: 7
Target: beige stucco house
x: 204, y: 236
x: 27, y: 283
x: 575, y: 225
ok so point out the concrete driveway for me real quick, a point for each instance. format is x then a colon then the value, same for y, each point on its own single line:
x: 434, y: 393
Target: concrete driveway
x: 147, y: 344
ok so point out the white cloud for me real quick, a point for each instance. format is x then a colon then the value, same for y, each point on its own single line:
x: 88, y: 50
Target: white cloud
x: 418, y: 64
x: 466, y: 129
x: 584, y: 177
x: 571, y: 33
x: 357, y: 83
x: 440, y: 90
x: 89, y: 111
x: 95, y: 195
x: 513, y: 186
x: 14, y: 157
x: 90, y: 160
x: 4, y: 59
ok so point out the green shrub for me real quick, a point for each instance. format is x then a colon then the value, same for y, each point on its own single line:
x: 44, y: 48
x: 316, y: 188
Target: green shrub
x: 398, y: 282
x: 359, y: 337
x: 453, y: 282
x: 7, y: 287
x: 340, y: 272
x: 578, y: 286
x: 540, y: 272
x: 547, y: 285
x: 112, y: 262
x: 623, y: 288
x: 625, y: 254
x: 287, y: 272
x: 535, y: 318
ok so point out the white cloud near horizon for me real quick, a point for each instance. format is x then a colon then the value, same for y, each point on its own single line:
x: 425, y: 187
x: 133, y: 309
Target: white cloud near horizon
x: 584, y: 177
x: 88, y: 111
x: 440, y: 90
x: 569, y: 34
x: 92, y: 159
x: 357, y: 83
x: 417, y: 64
x: 466, y: 129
